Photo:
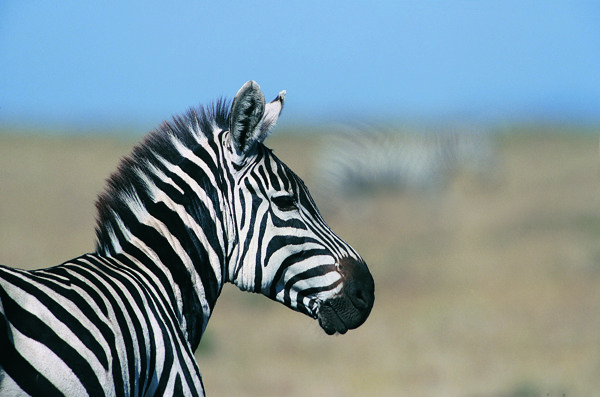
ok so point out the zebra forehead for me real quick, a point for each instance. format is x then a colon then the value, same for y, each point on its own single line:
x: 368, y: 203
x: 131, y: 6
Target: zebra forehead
x: 268, y: 168
x: 276, y: 169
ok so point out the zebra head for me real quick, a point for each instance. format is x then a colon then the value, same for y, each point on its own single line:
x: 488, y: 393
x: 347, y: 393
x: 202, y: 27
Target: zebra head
x: 284, y: 249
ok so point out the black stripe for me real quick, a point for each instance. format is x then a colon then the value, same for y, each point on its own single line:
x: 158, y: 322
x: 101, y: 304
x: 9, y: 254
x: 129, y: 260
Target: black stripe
x: 264, y: 181
x: 325, y: 234
x: 34, y: 328
x: 293, y: 223
x: 116, y: 272
x: 178, y: 388
x: 258, y: 267
x: 243, y: 212
x: 170, y: 258
x: 194, y: 248
x: 314, y: 271
x: 176, y: 346
x: 170, y: 190
x: 253, y: 211
x: 281, y: 241
x: 24, y: 282
x: 101, y: 280
x: 198, y: 210
x: 164, y: 377
x: 200, y: 176
x: 274, y: 177
x: 315, y: 290
x: 20, y: 370
x: 91, y: 285
x: 289, y: 261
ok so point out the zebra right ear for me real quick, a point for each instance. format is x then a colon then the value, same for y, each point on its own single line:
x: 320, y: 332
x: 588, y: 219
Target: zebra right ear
x: 247, y: 111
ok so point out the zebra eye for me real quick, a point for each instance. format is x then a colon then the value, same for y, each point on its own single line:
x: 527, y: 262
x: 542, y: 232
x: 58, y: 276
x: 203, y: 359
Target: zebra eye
x: 285, y: 203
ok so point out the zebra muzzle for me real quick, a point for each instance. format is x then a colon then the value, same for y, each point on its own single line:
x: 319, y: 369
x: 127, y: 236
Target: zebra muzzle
x: 350, y: 308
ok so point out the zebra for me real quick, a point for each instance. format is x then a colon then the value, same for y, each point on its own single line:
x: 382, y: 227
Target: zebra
x: 361, y: 161
x: 200, y: 202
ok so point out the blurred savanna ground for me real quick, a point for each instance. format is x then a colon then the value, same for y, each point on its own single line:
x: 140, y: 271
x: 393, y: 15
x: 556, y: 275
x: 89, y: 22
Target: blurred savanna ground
x: 481, y: 289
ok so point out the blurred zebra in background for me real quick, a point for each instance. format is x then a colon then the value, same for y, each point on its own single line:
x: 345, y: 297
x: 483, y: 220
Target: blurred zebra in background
x: 363, y: 161
x: 199, y: 203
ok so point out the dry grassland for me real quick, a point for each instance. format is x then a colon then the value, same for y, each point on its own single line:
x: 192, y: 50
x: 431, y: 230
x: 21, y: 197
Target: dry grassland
x: 480, y: 290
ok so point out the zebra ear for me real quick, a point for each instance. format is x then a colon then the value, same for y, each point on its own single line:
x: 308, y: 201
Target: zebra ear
x: 251, y: 120
x: 272, y: 112
x: 247, y: 111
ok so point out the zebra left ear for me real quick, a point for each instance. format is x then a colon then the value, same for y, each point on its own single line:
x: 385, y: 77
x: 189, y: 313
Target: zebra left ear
x: 251, y: 120
x: 272, y: 112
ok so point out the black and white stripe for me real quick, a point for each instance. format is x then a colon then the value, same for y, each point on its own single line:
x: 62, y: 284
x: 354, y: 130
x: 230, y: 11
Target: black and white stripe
x: 199, y: 203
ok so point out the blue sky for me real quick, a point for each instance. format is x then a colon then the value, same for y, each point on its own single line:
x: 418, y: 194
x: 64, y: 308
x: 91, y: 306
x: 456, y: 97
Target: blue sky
x: 137, y: 63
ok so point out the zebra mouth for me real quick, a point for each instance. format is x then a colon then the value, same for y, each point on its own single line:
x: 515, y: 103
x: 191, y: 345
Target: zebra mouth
x: 330, y: 320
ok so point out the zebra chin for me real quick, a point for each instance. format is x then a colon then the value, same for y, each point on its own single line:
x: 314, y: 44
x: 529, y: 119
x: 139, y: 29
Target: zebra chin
x: 351, y: 307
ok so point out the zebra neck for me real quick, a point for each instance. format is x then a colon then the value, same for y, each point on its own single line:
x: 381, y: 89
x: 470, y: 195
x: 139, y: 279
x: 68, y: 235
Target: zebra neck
x: 167, y: 243
x: 166, y: 208
x: 175, y: 228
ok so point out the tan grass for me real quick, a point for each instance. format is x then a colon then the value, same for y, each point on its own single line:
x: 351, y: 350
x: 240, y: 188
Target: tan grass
x: 480, y: 291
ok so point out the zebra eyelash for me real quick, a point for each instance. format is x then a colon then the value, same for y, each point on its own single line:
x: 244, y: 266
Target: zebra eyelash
x: 285, y: 202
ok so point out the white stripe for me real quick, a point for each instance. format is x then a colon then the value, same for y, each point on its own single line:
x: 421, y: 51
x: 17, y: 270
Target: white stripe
x: 173, y: 338
x: 48, y: 364
x: 119, y: 342
x: 192, y: 225
x: 201, y: 195
x: 162, y: 229
x: 188, y: 154
x: 282, y: 253
x: 8, y: 387
x: 39, y: 310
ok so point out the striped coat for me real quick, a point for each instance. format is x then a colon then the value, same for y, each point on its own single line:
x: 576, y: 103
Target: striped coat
x: 199, y: 203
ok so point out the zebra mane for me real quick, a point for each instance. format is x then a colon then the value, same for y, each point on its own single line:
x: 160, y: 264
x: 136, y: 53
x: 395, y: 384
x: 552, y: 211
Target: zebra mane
x: 126, y: 187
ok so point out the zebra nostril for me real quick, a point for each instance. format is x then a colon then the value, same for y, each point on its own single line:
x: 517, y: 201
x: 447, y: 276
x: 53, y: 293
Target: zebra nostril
x: 359, y: 298
x: 359, y: 286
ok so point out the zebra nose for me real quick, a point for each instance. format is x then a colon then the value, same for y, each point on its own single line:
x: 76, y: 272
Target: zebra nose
x: 359, y: 286
x: 359, y: 298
